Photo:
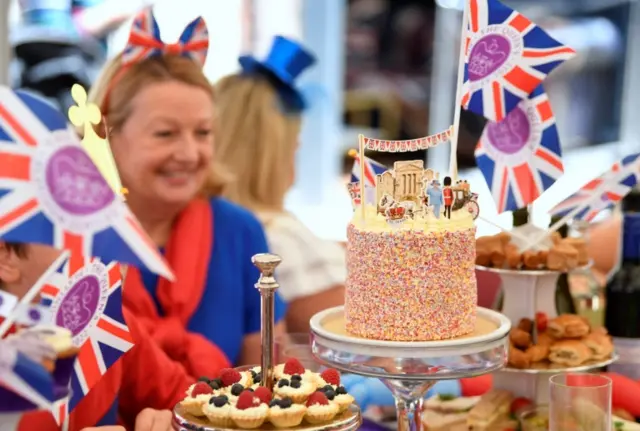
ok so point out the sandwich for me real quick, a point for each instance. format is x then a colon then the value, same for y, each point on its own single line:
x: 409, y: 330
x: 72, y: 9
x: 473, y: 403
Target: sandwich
x: 568, y: 326
x: 436, y: 421
x: 492, y: 408
x: 444, y: 404
x: 569, y: 352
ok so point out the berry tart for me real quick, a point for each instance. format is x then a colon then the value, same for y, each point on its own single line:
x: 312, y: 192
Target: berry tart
x: 320, y: 409
x: 198, y: 396
x: 230, y: 377
x: 250, y: 411
x: 218, y: 411
x: 284, y: 413
x: 295, y: 388
x: 291, y: 368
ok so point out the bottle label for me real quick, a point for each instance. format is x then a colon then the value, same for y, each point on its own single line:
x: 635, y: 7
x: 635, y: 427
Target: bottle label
x: 631, y: 236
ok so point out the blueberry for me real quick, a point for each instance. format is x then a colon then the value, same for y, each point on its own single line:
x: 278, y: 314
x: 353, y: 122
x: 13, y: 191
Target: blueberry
x: 326, y: 388
x: 283, y: 382
x: 257, y: 378
x: 219, y: 401
x: 253, y: 374
x: 330, y: 394
x: 296, y: 377
x: 204, y: 379
x: 274, y: 403
x: 295, y: 384
x: 285, y: 403
x: 237, y: 389
x: 250, y: 389
x: 341, y: 390
x: 215, y: 384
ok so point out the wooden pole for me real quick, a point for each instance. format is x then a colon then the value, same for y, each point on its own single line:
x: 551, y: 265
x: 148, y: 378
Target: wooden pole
x: 362, y: 190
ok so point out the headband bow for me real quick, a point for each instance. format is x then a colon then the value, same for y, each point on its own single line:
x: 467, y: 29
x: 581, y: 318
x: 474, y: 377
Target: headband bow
x: 144, y: 40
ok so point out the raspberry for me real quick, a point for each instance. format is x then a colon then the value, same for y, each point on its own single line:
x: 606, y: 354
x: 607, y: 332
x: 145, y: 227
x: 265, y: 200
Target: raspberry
x: 201, y: 388
x: 317, y: 398
x: 293, y: 366
x: 229, y: 376
x: 331, y: 376
x: 264, y: 394
x: 246, y: 400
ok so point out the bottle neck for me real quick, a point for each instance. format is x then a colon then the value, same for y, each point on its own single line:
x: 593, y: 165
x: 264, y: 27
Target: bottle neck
x: 631, y: 238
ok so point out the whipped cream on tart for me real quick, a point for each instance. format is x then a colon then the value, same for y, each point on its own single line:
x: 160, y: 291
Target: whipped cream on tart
x: 284, y: 413
x: 291, y: 368
x: 297, y: 389
x: 197, y: 396
x: 250, y: 411
x: 218, y: 411
x: 320, y: 409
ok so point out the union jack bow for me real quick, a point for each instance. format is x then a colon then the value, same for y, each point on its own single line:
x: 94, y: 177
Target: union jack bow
x: 603, y: 192
x: 520, y: 156
x: 506, y: 58
x: 144, y: 40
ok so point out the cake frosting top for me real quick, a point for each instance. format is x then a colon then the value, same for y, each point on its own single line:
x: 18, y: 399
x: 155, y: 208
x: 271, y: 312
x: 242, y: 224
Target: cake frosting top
x: 375, y: 222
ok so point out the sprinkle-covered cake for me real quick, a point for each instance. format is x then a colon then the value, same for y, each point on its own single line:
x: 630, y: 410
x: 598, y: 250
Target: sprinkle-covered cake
x: 411, y: 258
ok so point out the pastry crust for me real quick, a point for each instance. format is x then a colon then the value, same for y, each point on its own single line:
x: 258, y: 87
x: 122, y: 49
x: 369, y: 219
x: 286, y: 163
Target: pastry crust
x: 600, y: 345
x: 526, y: 325
x: 517, y: 358
x: 544, y: 339
x: 520, y: 338
x: 538, y: 352
x: 569, y: 352
x: 568, y: 326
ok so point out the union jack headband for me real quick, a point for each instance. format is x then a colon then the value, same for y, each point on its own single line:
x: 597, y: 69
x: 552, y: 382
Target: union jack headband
x: 145, y: 42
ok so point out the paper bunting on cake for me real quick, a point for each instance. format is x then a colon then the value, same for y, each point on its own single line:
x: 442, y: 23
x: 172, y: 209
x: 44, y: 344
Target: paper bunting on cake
x: 85, y: 297
x: 86, y: 116
x: 52, y: 193
x: 520, y: 156
x: 25, y: 384
x: 602, y: 192
x: 507, y: 57
x: 418, y: 144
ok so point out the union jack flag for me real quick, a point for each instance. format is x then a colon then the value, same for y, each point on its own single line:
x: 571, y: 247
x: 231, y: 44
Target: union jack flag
x: 52, y: 193
x: 371, y: 169
x: 603, y: 192
x: 145, y: 41
x: 506, y: 58
x: 24, y: 383
x: 85, y: 296
x: 520, y: 156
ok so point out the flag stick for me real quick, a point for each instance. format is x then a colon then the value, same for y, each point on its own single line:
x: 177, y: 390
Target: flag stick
x: 516, y: 234
x: 362, y: 191
x: 32, y: 293
x: 455, y: 135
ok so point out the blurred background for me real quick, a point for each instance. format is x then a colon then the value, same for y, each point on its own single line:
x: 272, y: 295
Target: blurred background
x: 387, y: 68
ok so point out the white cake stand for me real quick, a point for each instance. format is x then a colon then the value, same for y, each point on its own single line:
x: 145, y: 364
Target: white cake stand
x: 409, y: 369
x: 525, y: 293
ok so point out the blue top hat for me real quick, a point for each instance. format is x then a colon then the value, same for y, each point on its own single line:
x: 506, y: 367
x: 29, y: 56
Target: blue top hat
x: 285, y: 62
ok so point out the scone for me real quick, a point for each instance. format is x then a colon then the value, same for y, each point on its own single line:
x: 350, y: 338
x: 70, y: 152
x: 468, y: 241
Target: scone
x: 568, y: 326
x: 197, y: 397
x: 283, y: 413
x: 320, y: 409
x: 569, y: 352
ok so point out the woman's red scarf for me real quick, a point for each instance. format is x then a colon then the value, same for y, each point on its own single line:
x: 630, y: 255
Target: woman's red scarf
x: 188, y: 253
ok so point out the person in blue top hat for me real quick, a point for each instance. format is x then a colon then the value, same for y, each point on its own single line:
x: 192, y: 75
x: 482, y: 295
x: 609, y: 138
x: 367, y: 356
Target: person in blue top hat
x: 259, y: 115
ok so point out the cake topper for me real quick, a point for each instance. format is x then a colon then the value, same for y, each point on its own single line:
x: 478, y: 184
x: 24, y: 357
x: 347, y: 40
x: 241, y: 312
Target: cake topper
x: 53, y: 193
x: 86, y: 116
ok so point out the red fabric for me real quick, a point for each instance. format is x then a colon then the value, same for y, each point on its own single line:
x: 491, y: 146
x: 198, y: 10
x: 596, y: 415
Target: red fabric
x: 625, y: 393
x: 188, y: 253
x: 448, y: 196
x: 137, y: 381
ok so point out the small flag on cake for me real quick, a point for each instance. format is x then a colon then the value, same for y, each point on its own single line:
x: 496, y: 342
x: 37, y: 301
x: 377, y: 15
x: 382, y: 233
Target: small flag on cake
x: 520, y: 156
x: 371, y: 169
x: 506, y: 58
x: 602, y: 192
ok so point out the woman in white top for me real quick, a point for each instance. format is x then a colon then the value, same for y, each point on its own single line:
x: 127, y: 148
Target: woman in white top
x: 259, y: 113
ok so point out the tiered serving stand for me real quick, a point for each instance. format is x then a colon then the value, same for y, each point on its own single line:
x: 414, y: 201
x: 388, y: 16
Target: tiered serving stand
x: 525, y: 293
x: 409, y: 369
x: 267, y: 285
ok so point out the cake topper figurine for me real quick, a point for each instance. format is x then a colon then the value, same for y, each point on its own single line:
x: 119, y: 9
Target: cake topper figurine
x: 435, y: 197
x: 86, y: 116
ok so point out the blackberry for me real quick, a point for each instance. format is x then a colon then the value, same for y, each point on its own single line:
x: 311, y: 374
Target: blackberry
x: 295, y: 384
x: 237, y: 389
x: 296, y: 377
x: 283, y: 382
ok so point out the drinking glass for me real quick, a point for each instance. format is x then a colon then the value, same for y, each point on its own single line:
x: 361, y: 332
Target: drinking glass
x: 579, y: 401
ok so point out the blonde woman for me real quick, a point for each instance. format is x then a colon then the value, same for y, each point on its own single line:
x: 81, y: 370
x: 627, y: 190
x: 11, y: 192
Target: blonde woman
x: 259, y: 113
x: 159, y: 108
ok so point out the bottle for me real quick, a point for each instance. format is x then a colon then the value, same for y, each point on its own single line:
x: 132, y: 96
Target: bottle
x: 588, y: 294
x: 520, y: 216
x: 564, y: 298
x: 622, y: 303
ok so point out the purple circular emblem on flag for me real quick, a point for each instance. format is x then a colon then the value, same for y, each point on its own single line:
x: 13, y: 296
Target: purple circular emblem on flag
x: 487, y: 55
x: 511, y: 134
x: 75, y: 183
x: 35, y: 315
x: 79, y: 306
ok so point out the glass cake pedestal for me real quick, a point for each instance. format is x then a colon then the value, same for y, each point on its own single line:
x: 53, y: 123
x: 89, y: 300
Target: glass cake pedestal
x: 527, y: 292
x: 409, y: 369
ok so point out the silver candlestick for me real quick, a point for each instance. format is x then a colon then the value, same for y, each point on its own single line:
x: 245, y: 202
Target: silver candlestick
x: 267, y: 286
